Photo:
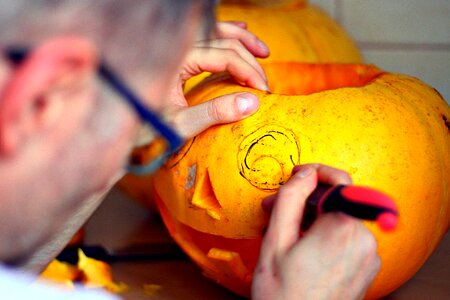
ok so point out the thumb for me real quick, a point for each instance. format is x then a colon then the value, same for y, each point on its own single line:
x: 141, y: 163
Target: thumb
x: 190, y: 121
x: 287, y: 213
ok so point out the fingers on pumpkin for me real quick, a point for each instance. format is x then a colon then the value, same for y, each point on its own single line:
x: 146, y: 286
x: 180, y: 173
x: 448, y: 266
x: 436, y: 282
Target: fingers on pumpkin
x: 216, y: 60
x: 237, y: 30
x: 224, y: 109
x: 284, y: 224
x: 239, y: 48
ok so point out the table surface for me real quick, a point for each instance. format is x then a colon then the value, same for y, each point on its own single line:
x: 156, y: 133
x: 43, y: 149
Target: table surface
x: 120, y: 222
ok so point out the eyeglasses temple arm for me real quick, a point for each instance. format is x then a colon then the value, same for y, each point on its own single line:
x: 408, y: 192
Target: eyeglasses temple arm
x: 175, y: 141
x: 16, y: 55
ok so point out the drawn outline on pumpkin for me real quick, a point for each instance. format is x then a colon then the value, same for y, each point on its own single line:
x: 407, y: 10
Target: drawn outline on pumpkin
x: 272, y: 138
x: 180, y: 154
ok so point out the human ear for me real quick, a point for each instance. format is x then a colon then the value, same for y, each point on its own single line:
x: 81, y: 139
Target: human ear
x: 31, y: 100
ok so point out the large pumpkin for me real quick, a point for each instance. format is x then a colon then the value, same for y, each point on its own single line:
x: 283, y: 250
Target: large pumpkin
x: 293, y: 30
x: 389, y: 131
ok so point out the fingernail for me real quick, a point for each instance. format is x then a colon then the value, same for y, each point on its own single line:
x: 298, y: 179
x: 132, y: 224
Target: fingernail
x: 304, y: 172
x: 241, y: 24
x: 263, y: 46
x: 263, y: 87
x: 247, y: 103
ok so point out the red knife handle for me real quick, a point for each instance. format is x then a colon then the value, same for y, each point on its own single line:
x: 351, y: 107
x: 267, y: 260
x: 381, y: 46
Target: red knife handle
x: 359, y: 202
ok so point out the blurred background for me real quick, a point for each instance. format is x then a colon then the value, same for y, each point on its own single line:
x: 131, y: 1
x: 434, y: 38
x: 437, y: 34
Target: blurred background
x: 403, y: 36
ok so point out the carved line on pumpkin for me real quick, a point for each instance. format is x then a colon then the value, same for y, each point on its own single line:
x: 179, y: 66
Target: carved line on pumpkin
x: 264, y: 154
x: 204, y: 196
x: 179, y: 155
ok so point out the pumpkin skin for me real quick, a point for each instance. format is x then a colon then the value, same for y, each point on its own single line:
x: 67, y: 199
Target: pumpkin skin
x: 294, y: 31
x: 389, y: 131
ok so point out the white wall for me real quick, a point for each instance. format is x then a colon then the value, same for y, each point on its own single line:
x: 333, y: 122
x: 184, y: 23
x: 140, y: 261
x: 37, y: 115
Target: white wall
x: 403, y: 36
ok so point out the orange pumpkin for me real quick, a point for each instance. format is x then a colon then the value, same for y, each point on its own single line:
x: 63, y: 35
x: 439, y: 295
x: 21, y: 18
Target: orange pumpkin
x: 293, y: 30
x: 389, y: 131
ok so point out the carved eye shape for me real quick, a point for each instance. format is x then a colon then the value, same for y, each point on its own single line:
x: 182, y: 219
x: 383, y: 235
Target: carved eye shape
x: 204, y: 196
x: 267, y: 155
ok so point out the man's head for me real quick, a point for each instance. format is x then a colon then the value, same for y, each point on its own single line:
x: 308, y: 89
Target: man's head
x: 64, y: 137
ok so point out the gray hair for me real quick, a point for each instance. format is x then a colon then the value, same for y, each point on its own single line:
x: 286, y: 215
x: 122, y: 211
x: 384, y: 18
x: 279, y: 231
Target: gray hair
x: 131, y: 34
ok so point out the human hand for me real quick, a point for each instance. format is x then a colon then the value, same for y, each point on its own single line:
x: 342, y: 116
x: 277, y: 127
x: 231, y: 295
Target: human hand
x: 233, y: 49
x: 335, y: 259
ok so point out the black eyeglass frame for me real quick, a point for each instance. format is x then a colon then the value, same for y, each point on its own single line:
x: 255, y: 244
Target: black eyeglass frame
x: 174, y: 141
